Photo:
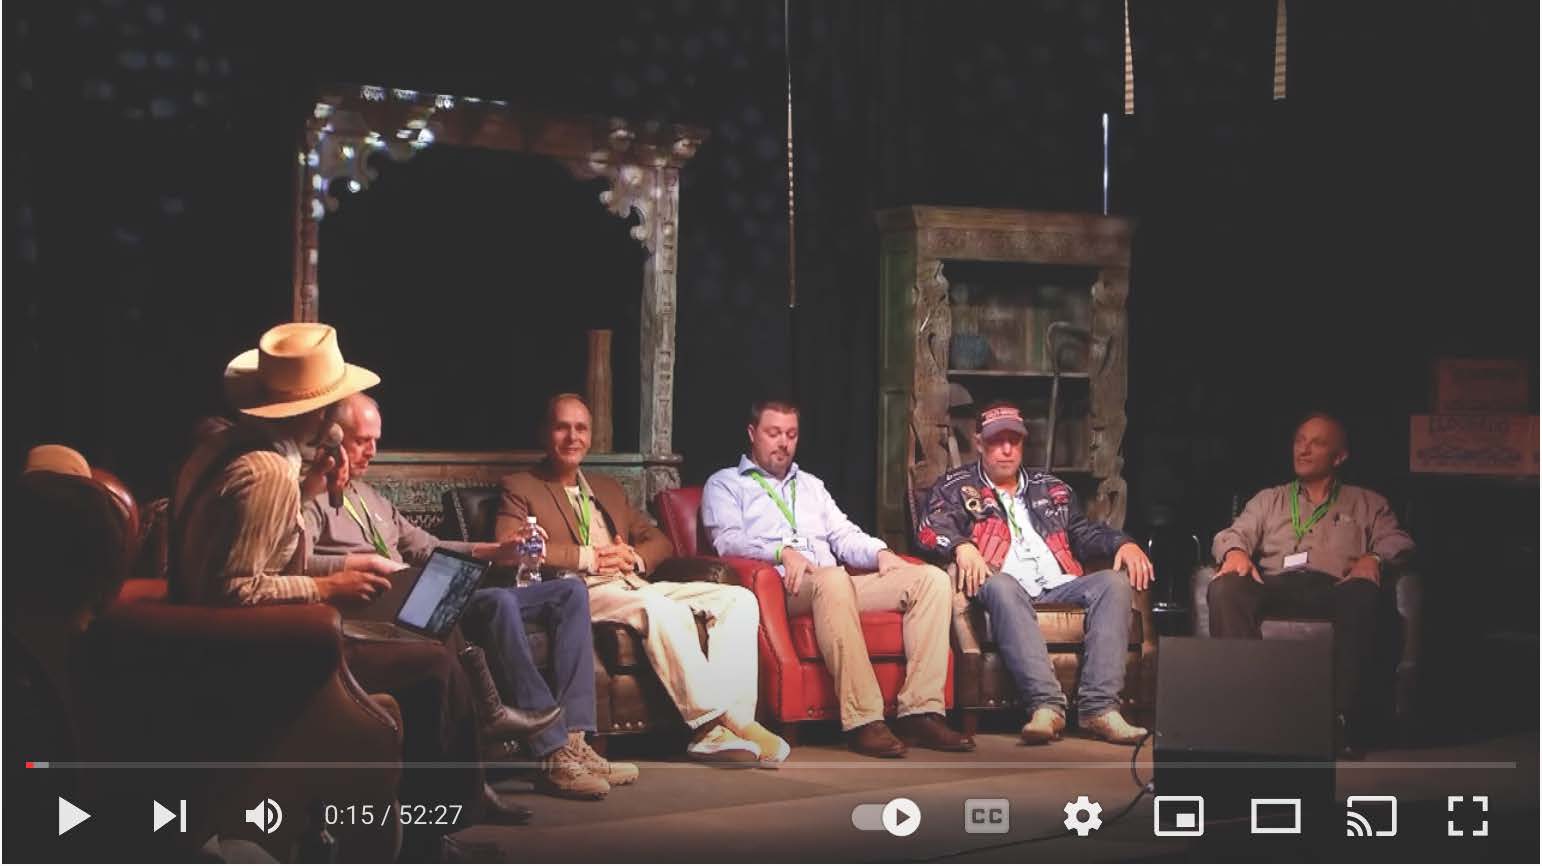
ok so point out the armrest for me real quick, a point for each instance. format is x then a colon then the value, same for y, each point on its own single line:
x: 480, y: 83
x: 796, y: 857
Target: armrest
x: 766, y: 583
x: 261, y: 665
x: 684, y: 569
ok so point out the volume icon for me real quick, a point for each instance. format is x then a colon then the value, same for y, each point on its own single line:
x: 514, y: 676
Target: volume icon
x: 265, y: 816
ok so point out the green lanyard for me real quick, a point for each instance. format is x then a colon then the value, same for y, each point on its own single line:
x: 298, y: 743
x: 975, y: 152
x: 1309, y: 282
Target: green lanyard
x: 583, y: 515
x: 790, y: 513
x: 370, y: 531
x: 1001, y: 498
x: 1319, y: 514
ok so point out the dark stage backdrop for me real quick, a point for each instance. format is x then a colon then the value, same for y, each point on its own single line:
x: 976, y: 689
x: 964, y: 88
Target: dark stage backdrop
x: 1319, y: 251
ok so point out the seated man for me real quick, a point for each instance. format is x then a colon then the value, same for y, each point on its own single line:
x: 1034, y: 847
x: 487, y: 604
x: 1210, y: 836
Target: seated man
x: 368, y: 525
x: 237, y: 538
x: 1018, y: 539
x: 1313, y: 547
x: 755, y: 510
x: 595, y: 531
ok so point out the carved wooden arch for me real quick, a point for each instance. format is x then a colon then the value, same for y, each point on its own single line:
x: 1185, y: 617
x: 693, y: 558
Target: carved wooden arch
x: 350, y: 125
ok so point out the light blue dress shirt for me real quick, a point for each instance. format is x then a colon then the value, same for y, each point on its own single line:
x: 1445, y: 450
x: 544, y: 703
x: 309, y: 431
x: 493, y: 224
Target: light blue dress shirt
x: 743, y: 520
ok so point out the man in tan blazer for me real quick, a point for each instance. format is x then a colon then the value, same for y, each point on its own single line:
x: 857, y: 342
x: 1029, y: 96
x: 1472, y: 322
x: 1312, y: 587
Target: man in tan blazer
x: 596, y: 532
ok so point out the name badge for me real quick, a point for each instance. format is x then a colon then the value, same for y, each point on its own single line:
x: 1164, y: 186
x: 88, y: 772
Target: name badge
x: 798, y: 542
x: 1296, y: 560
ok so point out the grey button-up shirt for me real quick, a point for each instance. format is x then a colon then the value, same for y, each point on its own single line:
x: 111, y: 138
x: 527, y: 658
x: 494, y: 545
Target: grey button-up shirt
x: 335, y: 534
x: 1359, y: 522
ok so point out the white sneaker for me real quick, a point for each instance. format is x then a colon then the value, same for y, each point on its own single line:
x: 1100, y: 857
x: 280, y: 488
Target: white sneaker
x: 721, y: 748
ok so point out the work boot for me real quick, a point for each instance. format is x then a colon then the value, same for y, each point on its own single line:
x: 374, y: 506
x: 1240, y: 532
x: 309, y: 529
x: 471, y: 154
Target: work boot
x: 615, y: 773
x: 563, y: 774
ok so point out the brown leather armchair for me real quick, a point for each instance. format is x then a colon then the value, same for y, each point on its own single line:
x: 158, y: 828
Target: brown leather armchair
x: 229, y: 688
x: 629, y: 699
x: 257, y: 701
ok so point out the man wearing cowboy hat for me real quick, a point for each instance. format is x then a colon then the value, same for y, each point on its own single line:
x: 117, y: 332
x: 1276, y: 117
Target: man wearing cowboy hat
x: 1019, y: 538
x: 237, y: 538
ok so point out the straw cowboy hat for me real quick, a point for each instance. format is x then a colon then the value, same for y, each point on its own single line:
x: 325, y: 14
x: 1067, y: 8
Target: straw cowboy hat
x: 294, y: 369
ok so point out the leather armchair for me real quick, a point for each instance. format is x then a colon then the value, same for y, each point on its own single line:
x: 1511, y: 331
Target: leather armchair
x: 1398, y: 632
x: 629, y: 699
x: 156, y: 682
x: 795, y: 685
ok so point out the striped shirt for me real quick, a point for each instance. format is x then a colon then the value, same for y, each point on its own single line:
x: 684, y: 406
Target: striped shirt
x: 240, y: 538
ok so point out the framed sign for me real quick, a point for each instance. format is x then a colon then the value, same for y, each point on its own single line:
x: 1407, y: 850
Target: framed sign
x: 1473, y: 444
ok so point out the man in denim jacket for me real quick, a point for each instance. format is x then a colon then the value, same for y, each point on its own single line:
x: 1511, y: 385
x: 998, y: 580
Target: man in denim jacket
x: 1019, y: 538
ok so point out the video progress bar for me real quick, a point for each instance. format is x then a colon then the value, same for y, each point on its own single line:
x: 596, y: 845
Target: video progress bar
x: 791, y: 766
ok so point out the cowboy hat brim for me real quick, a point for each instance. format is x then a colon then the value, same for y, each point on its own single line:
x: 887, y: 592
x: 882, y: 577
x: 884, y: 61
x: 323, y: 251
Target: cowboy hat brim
x: 245, y: 391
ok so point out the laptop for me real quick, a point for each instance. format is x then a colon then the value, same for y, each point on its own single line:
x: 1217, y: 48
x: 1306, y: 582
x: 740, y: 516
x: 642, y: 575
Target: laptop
x: 439, y: 595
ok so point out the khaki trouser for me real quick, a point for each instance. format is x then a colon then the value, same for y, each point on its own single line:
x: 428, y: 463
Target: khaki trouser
x: 837, y: 599
x: 719, y: 682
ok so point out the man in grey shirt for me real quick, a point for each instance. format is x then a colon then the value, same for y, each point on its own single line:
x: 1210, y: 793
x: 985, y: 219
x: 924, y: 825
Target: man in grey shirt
x: 367, y: 527
x: 1312, y: 547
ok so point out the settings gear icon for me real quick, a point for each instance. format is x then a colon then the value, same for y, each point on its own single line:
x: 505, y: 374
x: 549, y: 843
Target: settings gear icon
x: 1074, y: 819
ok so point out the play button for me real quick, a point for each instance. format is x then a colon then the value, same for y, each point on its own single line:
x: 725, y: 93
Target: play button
x: 901, y: 817
x: 70, y: 816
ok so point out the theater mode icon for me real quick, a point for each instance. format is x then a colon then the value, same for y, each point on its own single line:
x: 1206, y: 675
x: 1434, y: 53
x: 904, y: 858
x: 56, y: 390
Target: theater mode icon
x: 1276, y: 816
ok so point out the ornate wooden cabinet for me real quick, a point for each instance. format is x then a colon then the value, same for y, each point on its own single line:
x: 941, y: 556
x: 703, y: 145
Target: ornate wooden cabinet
x: 980, y: 304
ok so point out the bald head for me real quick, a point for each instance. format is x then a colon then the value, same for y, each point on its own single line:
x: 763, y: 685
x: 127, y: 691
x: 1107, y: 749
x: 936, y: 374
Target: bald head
x: 1321, y: 446
x: 359, y: 416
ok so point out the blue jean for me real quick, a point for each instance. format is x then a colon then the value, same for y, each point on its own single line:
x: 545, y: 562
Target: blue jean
x: 1106, y: 596
x: 495, y: 620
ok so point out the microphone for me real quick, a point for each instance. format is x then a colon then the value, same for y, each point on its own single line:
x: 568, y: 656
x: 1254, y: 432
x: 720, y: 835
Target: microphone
x: 333, y: 447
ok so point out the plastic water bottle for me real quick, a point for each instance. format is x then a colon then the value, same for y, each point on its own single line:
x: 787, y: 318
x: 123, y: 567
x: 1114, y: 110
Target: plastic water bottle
x: 531, y: 551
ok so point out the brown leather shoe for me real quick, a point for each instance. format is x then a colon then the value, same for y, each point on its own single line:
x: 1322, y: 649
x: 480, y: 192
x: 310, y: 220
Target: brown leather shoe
x: 875, y: 740
x: 929, y: 731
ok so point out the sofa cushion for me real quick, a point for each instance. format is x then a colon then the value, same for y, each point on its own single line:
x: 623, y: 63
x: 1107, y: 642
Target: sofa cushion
x: 880, y: 628
x: 1063, y: 625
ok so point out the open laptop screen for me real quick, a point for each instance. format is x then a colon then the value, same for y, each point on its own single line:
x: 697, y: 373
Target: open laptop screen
x: 441, y: 593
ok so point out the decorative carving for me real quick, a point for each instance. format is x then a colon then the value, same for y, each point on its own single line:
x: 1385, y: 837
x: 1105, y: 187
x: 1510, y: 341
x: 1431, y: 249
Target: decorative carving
x: 1017, y: 245
x: 641, y: 164
x: 1108, y: 367
x: 929, y: 401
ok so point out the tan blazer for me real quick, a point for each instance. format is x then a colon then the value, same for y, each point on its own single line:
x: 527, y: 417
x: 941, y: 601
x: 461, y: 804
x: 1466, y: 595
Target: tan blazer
x: 537, y: 492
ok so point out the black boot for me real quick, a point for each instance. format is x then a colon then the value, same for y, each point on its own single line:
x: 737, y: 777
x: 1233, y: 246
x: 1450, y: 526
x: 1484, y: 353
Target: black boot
x: 500, y: 721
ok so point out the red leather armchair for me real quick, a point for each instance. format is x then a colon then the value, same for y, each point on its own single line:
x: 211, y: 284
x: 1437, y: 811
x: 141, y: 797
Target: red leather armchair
x: 156, y: 682
x: 795, y: 685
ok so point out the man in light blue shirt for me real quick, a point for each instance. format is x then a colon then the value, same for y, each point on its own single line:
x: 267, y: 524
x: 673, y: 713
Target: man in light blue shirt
x: 767, y: 508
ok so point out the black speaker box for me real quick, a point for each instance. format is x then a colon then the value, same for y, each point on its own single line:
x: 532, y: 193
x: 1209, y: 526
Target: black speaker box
x: 1248, y: 726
